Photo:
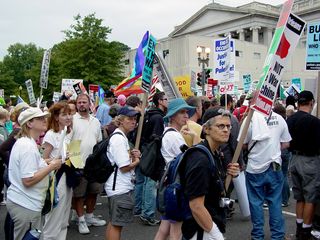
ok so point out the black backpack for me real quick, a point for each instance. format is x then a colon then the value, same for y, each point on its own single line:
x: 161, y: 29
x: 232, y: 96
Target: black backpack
x: 98, y: 167
x: 152, y: 163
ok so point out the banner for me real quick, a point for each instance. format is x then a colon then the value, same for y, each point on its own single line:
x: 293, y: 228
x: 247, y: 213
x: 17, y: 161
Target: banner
x: 168, y: 85
x: 148, y: 66
x: 246, y: 78
x: 313, y: 46
x: 29, y: 86
x: 67, y: 86
x: 224, y: 59
x: 288, y: 41
x: 45, y: 69
x: 183, y: 84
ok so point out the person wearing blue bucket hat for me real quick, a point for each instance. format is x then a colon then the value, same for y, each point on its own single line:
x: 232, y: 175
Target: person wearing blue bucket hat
x: 177, y: 115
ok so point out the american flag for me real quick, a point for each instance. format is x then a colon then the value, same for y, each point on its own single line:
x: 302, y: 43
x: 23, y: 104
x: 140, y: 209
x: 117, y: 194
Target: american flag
x: 155, y: 79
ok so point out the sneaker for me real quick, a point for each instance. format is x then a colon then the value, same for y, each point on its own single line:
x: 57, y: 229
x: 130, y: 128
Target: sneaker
x: 95, y: 221
x: 3, y: 203
x: 83, y: 228
x: 265, y: 205
x: 149, y: 221
x: 285, y: 205
x: 74, y: 216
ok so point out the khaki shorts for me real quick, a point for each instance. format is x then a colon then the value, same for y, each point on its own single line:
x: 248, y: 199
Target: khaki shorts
x: 121, y: 209
x: 85, y: 188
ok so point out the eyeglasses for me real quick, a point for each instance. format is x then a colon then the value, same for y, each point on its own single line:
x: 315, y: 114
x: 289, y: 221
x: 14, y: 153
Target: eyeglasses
x: 40, y: 118
x: 223, y: 126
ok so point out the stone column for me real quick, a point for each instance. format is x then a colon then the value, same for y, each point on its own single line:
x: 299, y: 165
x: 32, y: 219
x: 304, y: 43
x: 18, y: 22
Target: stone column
x: 268, y: 36
x: 241, y: 34
x: 255, y: 35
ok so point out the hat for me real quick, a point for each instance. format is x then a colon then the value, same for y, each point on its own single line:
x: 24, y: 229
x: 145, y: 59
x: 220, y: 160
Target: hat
x: 213, y: 112
x: 176, y: 105
x: 122, y: 99
x: 21, y: 106
x: 305, y: 96
x: 29, y: 114
x: 128, y: 111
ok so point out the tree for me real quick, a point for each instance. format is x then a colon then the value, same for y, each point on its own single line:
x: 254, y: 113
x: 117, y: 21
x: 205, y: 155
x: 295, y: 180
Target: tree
x: 86, y: 54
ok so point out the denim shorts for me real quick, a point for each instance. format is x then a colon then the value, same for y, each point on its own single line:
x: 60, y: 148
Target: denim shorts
x: 121, y: 209
x: 305, y: 176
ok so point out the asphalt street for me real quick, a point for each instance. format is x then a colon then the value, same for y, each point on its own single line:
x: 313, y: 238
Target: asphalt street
x: 237, y: 228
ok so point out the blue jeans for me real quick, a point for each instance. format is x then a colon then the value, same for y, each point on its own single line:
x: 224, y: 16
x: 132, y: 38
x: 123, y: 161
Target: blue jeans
x: 145, y: 195
x: 266, y: 186
x: 286, y: 157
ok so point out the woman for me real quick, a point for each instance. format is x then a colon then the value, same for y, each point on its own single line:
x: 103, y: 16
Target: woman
x: 56, y: 222
x: 119, y: 186
x: 28, y: 174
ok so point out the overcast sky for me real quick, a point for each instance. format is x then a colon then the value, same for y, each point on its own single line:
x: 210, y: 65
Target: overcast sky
x: 41, y: 21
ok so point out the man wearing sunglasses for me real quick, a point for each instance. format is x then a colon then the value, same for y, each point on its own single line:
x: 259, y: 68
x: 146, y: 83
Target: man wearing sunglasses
x: 204, y: 186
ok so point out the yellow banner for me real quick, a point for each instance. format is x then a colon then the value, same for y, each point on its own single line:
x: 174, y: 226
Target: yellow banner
x: 184, y: 85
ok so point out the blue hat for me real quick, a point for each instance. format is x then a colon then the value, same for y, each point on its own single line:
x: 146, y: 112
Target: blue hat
x: 127, y: 111
x: 176, y: 105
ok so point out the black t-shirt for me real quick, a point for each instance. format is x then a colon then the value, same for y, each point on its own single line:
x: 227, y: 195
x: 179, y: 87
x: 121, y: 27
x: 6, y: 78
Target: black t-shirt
x: 305, y: 132
x: 198, y: 180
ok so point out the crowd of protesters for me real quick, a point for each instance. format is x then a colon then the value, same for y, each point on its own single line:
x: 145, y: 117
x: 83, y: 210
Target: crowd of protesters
x: 284, y: 144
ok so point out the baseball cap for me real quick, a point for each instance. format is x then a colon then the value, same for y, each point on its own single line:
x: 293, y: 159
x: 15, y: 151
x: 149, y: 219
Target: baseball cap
x: 29, y: 114
x: 128, y: 111
x: 213, y: 112
x: 305, y: 96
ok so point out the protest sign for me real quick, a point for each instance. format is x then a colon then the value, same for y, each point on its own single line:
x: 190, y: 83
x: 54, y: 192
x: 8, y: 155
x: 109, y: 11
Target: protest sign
x: 293, y: 90
x: 2, y: 93
x: 75, y: 154
x: 56, y: 96
x: 29, y: 86
x: 224, y: 59
x: 183, y: 84
x: 67, y: 86
x: 45, y: 69
x: 148, y: 65
x: 313, y: 46
x: 297, y: 82
x: 168, y: 85
x: 246, y: 78
x: 226, y: 88
x: 288, y: 41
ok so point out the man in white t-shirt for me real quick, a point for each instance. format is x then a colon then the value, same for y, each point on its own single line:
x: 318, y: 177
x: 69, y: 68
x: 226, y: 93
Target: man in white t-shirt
x: 264, y: 179
x: 87, y: 129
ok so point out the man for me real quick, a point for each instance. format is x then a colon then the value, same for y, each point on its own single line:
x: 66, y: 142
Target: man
x: 103, y: 111
x: 305, y: 146
x: 204, y: 188
x: 177, y: 116
x: 264, y: 179
x: 145, y: 191
x: 192, y: 122
x: 87, y: 129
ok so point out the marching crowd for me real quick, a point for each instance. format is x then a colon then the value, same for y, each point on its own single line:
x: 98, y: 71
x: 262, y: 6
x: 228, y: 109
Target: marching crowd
x: 34, y: 164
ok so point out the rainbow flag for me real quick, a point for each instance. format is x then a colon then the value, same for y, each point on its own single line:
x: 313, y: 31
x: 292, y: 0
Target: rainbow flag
x: 137, y: 68
x: 134, y: 88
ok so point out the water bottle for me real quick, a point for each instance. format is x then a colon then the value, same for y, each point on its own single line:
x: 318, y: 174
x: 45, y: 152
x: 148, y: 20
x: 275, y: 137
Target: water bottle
x: 32, y: 234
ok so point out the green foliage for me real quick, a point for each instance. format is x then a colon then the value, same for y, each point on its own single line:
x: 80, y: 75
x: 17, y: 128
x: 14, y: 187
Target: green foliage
x: 84, y: 54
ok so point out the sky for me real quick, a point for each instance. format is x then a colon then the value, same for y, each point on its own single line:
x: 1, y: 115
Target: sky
x: 41, y: 21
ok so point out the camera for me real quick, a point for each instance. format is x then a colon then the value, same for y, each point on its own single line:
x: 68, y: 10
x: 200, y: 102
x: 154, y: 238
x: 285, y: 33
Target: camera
x: 226, y: 203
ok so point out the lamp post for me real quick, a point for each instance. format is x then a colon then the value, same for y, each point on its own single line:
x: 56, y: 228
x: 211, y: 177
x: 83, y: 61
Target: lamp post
x: 203, y: 59
x: 20, y: 89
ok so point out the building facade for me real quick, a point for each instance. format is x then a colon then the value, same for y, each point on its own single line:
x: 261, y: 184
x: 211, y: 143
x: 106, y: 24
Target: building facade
x: 251, y: 26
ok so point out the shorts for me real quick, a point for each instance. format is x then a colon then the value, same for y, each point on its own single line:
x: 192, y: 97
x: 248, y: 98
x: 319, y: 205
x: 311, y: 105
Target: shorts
x: 85, y: 188
x: 305, y: 176
x: 121, y: 209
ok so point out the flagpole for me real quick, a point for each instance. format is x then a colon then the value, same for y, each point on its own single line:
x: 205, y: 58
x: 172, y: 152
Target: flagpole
x: 144, y: 102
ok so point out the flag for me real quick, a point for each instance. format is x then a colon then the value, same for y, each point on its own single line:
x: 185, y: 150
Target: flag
x: 134, y: 88
x: 137, y: 67
x: 153, y: 90
x: 19, y: 100
x: 100, y: 95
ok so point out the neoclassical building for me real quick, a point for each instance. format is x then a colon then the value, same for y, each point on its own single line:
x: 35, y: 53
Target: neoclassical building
x: 251, y: 26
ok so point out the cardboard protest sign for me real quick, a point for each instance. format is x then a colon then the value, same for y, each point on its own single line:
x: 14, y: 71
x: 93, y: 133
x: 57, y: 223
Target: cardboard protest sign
x: 29, y: 86
x: 45, y: 69
x: 288, y: 41
x: 246, y: 78
x: 183, y: 84
x: 226, y: 88
x: 75, y: 154
x: 224, y: 59
x: 293, y: 90
x: 313, y: 46
x: 56, y: 96
x: 67, y: 86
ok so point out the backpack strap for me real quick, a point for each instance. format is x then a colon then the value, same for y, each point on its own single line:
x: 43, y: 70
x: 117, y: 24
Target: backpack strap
x: 116, y: 167
x: 168, y: 130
